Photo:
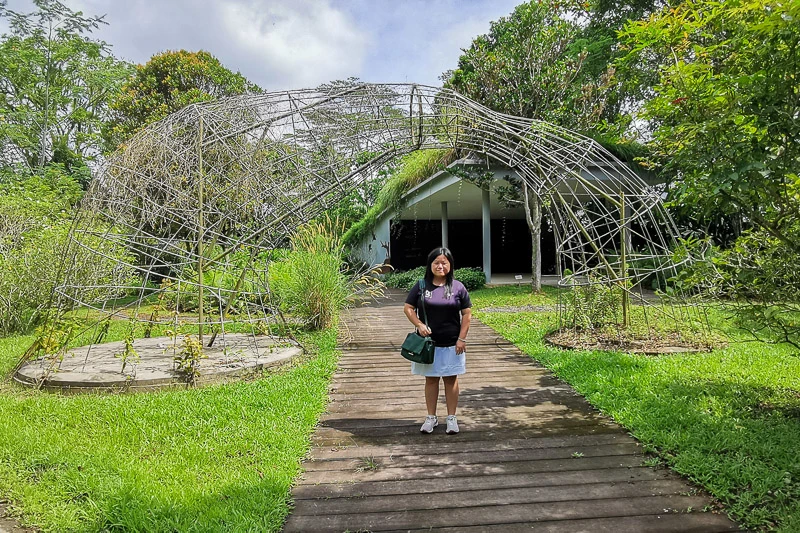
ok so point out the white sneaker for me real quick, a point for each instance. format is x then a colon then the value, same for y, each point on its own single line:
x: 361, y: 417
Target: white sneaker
x: 430, y: 422
x: 452, y: 425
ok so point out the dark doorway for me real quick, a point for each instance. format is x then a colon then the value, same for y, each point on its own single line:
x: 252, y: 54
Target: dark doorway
x: 412, y: 240
x: 511, y: 247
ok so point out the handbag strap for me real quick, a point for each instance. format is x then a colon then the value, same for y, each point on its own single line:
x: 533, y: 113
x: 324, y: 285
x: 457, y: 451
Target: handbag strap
x: 422, y: 299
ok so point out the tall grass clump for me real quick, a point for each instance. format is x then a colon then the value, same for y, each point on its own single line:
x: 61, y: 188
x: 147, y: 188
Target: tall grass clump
x: 313, y: 281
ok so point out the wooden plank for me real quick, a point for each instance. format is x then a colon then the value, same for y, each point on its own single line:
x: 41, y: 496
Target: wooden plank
x: 355, y: 474
x: 476, y: 457
x: 494, y: 496
x: 446, y: 447
x: 665, y: 523
x: 410, y: 434
x: 445, y: 484
x: 496, y: 516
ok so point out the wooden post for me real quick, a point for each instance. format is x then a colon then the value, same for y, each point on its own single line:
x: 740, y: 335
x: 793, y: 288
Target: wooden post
x: 200, y: 231
x: 623, y: 260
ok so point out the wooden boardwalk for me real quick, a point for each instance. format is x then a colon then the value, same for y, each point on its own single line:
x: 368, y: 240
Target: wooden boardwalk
x: 532, y: 453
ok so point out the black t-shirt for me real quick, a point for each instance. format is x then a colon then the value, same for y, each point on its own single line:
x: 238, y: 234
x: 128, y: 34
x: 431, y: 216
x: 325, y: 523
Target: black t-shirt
x: 444, y: 314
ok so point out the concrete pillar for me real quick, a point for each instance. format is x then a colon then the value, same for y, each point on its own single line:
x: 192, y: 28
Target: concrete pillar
x: 486, y: 216
x: 444, y: 225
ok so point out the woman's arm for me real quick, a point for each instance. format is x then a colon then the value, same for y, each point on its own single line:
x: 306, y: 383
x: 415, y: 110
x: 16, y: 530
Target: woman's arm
x: 411, y: 314
x: 461, y: 343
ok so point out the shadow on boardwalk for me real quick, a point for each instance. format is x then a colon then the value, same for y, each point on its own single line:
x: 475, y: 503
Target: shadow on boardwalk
x: 532, y: 453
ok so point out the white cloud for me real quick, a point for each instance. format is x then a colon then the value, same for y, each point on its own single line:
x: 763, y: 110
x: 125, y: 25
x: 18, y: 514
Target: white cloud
x: 290, y: 44
x: 301, y: 44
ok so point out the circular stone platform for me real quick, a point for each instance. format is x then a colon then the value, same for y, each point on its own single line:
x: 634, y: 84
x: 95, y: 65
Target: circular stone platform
x: 99, y: 367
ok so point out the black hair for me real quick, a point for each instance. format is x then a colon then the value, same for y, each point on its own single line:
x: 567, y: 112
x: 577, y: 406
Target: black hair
x: 448, y: 284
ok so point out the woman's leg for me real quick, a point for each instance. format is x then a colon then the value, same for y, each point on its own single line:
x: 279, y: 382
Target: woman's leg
x: 432, y: 394
x: 450, y: 393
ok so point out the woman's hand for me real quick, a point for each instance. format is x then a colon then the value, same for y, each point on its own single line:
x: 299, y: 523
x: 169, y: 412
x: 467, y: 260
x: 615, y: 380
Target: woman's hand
x: 461, y: 347
x: 411, y: 315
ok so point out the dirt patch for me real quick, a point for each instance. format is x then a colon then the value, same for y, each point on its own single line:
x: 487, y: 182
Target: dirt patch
x: 665, y: 343
x: 8, y: 524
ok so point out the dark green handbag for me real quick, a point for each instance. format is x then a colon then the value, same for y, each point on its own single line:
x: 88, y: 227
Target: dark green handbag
x: 417, y: 348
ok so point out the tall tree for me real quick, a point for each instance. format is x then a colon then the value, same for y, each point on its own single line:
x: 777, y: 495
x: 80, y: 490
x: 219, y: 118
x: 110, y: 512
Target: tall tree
x: 55, y: 83
x: 531, y: 64
x: 168, y: 82
x: 725, y: 106
x: 724, y: 118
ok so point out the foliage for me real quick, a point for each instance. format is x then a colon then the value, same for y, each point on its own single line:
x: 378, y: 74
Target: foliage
x: 723, y: 110
x: 530, y: 65
x: 217, y: 458
x: 404, y: 280
x: 757, y: 281
x: 187, y: 360
x: 724, y: 118
x: 415, y: 168
x: 472, y: 278
x: 170, y: 81
x: 726, y: 419
x: 34, y: 231
x: 55, y: 85
x: 312, y: 281
x: 589, y: 306
x: 310, y: 286
x: 129, y: 355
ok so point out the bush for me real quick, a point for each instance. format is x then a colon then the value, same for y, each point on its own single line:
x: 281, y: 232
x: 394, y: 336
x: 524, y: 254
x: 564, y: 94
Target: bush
x: 472, y: 278
x: 35, y: 219
x: 93, y: 272
x: 591, y: 306
x: 404, y: 280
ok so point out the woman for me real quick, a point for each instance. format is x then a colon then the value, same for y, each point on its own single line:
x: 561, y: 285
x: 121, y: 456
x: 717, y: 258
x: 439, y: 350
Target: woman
x: 447, y: 306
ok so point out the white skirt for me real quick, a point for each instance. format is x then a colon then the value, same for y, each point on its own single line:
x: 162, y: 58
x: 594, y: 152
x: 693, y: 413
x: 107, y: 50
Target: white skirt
x: 446, y: 362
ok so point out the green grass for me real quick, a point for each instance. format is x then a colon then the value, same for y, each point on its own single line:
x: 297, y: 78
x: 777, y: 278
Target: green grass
x: 728, y: 420
x: 220, y: 458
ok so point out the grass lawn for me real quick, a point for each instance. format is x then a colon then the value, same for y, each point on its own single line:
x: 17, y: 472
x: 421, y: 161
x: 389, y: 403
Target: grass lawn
x: 728, y: 420
x: 219, y: 458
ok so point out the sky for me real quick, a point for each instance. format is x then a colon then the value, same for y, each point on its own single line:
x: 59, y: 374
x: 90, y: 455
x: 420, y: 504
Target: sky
x: 294, y: 44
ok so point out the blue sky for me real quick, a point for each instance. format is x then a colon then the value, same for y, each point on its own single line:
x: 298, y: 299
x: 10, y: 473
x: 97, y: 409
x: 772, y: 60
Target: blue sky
x: 291, y: 44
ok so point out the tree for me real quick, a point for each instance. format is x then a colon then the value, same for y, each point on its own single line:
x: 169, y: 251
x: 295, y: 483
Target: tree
x: 55, y: 83
x: 530, y: 64
x: 168, y: 82
x: 724, y: 110
x: 724, y: 123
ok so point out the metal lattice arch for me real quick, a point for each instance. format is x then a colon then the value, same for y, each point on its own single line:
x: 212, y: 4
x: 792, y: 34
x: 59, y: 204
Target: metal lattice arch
x: 217, y: 186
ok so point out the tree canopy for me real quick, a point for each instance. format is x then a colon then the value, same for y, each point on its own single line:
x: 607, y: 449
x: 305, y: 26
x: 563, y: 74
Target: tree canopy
x: 168, y: 82
x: 724, y: 108
x: 55, y: 84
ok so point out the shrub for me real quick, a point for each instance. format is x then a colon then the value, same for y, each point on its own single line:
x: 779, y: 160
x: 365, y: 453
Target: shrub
x: 94, y: 271
x: 404, y: 280
x: 311, y: 286
x: 591, y: 306
x: 472, y: 278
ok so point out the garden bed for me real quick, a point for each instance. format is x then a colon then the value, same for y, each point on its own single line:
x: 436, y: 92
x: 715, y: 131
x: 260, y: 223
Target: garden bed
x: 663, y: 343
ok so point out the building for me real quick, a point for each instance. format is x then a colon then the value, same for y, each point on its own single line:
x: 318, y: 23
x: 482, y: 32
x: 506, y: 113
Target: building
x: 480, y: 228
